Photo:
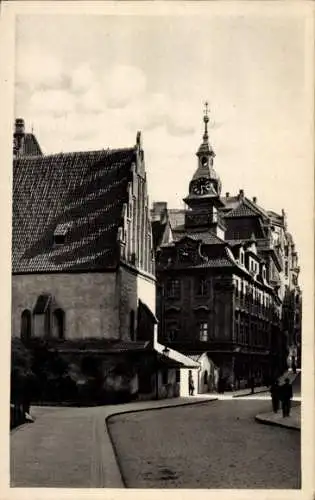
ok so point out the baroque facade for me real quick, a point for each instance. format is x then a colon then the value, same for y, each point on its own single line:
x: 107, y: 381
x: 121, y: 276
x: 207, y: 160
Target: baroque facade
x: 225, y: 268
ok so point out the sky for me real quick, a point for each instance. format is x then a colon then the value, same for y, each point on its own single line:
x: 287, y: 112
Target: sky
x: 91, y: 82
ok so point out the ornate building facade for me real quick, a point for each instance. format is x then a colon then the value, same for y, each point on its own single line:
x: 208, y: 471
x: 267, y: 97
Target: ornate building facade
x: 221, y: 279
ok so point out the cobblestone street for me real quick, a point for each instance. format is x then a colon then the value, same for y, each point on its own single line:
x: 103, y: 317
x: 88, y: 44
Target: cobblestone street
x: 215, y: 445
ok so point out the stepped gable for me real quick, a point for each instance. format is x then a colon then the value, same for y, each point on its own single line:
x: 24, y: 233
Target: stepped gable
x: 78, y: 195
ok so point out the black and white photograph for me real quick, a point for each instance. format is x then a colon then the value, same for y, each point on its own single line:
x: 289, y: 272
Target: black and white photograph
x: 161, y: 206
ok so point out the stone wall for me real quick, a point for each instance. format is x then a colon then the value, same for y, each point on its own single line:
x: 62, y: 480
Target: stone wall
x: 133, y: 286
x: 90, y: 301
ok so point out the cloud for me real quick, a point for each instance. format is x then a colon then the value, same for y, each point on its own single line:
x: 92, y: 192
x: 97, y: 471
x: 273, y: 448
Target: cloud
x: 38, y: 69
x: 122, y: 85
x: 52, y: 102
x: 82, y: 79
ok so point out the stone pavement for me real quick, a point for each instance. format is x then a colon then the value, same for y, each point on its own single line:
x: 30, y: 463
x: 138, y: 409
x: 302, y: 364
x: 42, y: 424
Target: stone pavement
x: 291, y: 422
x: 216, y: 445
x: 70, y: 447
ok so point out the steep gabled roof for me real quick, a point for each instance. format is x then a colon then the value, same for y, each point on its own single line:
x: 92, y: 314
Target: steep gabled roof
x: 85, y: 190
x: 236, y: 206
x: 207, y: 237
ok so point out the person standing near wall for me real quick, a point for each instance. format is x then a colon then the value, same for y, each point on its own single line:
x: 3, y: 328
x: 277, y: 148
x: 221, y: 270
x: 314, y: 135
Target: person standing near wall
x: 274, y: 391
x: 191, y: 386
x: 286, y: 395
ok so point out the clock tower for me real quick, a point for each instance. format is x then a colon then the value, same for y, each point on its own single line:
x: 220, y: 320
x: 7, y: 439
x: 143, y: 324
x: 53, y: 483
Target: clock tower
x: 205, y: 186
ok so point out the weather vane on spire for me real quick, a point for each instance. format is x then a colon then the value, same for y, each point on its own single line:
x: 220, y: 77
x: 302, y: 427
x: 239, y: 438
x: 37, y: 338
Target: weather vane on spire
x: 206, y: 120
x: 206, y: 108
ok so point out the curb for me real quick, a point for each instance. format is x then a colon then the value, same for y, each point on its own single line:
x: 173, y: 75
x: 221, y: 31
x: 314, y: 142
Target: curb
x: 276, y: 424
x: 250, y: 394
x: 201, y: 402
x: 121, y: 412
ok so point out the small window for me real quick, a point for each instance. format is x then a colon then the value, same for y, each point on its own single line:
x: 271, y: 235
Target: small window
x: 61, y: 232
x: 26, y: 325
x: 173, y: 289
x: 242, y: 331
x: 202, y: 287
x: 59, y: 239
x: 59, y: 319
x: 203, y: 331
x: 242, y: 256
x: 171, y: 331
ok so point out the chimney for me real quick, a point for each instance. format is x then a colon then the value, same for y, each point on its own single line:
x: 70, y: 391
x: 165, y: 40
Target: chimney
x: 18, y: 137
x: 255, y: 199
x: 158, y: 210
x: 227, y: 195
x: 241, y: 193
x: 19, y: 127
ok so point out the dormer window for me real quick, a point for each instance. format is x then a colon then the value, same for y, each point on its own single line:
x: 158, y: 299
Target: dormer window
x: 61, y: 232
x: 59, y: 239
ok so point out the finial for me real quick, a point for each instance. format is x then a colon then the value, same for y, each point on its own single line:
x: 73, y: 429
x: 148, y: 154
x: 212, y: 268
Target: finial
x: 206, y: 120
x: 206, y: 109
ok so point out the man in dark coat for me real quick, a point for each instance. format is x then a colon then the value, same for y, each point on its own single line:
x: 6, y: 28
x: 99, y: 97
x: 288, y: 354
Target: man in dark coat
x: 274, y: 391
x: 191, y: 386
x: 286, y: 395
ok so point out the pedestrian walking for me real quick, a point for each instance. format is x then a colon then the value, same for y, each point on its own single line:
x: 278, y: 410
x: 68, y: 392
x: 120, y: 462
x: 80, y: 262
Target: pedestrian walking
x: 191, y: 386
x: 274, y: 391
x: 293, y: 365
x: 286, y: 395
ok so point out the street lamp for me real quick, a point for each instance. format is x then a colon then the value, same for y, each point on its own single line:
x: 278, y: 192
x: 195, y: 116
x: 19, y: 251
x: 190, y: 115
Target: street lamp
x: 166, y: 351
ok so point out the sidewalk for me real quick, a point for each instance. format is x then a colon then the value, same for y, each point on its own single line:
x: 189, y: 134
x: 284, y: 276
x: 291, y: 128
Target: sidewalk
x: 247, y: 392
x: 71, y: 447
x: 291, y: 422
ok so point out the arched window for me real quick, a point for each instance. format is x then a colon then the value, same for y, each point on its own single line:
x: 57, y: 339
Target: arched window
x: 59, y: 320
x: 132, y: 325
x: 205, y: 378
x: 26, y: 325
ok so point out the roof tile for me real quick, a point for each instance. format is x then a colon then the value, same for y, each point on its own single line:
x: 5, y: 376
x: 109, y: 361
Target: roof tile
x: 85, y: 191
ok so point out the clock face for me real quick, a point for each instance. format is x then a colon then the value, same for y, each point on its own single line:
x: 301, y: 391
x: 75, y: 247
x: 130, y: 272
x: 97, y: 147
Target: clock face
x: 202, y: 186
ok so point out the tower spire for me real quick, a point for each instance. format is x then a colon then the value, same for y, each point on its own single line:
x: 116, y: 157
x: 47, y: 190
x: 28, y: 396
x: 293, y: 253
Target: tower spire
x: 206, y: 121
x: 205, y: 149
